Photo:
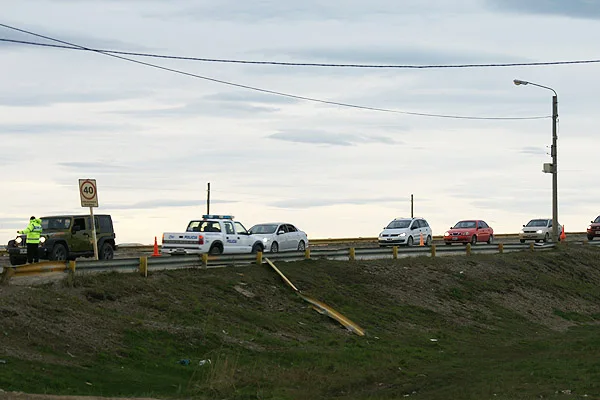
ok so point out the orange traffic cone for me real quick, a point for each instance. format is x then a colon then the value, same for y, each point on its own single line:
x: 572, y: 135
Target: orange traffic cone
x: 563, y: 236
x: 155, y: 253
x: 421, y: 240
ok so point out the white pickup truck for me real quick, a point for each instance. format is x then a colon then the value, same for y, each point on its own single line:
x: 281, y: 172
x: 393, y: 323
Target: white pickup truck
x: 213, y: 234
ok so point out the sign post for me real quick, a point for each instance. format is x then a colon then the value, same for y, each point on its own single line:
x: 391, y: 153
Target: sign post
x: 88, y: 193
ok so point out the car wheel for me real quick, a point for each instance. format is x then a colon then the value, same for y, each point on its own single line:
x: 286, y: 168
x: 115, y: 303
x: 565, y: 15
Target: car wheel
x: 301, y: 246
x: 410, y: 241
x: 215, y: 250
x: 473, y: 240
x: 546, y: 237
x: 491, y: 239
x: 256, y: 248
x: 522, y: 240
x: 428, y: 241
x: 590, y: 238
x: 106, y: 252
x: 59, y: 253
x: 274, y: 247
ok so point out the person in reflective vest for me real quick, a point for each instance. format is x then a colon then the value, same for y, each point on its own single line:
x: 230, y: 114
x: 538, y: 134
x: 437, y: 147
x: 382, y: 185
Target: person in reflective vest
x: 33, y: 232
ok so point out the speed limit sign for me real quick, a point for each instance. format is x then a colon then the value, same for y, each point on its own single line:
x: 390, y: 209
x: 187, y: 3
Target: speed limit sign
x: 88, y: 192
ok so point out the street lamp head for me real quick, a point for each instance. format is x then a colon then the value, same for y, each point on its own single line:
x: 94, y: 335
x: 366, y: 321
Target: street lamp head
x: 519, y: 82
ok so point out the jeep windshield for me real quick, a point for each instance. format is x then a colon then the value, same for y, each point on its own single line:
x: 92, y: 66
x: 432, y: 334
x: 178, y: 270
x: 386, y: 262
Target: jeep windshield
x: 537, y: 222
x: 399, y: 224
x: 55, y: 224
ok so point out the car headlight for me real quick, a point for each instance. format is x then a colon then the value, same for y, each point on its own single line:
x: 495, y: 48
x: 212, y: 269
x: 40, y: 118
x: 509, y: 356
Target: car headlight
x: 521, y: 231
x: 402, y: 234
x: 42, y: 240
x: 539, y: 231
x: 446, y: 233
x: 589, y: 227
x: 19, y: 240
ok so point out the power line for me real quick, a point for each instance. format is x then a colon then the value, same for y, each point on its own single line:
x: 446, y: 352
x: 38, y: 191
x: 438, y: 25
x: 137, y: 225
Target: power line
x: 273, y: 92
x: 306, y: 64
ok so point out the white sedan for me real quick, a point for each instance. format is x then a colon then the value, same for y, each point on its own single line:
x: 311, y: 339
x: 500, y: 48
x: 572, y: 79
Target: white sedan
x: 280, y: 236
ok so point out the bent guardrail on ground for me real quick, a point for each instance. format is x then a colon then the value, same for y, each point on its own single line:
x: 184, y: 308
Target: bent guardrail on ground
x: 145, y: 264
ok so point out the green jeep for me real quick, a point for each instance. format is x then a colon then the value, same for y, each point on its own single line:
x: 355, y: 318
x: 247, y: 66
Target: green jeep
x: 66, y: 237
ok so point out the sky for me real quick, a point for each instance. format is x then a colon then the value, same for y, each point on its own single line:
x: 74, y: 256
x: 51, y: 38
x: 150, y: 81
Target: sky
x: 154, y: 139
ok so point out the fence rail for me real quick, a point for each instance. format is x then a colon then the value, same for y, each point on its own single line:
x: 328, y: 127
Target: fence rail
x: 144, y: 264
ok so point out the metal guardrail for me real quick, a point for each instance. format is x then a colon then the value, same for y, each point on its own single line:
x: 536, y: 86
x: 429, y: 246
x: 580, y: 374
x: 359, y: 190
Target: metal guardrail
x: 144, y: 264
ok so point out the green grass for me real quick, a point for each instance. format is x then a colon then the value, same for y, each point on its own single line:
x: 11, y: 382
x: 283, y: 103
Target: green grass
x: 511, y: 326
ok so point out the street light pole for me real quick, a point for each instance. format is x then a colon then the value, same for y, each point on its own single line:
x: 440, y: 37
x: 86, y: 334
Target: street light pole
x: 553, y: 151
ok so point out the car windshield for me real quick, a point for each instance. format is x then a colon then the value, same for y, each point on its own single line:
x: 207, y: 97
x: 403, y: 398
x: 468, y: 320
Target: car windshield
x: 398, y: 224
x: 55, y: 223
x: 263, y: 229
x: 465, y: 224
x: 597, y: 220
x: 537, y: 222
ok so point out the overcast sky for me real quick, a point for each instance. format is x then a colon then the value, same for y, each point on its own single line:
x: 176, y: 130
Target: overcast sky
x: 153, y: 139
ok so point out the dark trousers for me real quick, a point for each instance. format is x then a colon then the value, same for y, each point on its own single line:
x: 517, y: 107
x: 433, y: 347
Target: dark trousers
x: 32, y: 253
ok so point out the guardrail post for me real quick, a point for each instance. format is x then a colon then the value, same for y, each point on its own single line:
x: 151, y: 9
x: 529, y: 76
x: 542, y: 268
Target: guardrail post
x: 71, y: 265
x: 204, y: 260
x: 307, y: 253
x: 500, y: 248
x: 433, y: 250
x: 395, y: 252
x: 144, y: 266
x: 468, y: 249
x: 259, y: 257
x: 6, y: 275
x: 531, y: 246
x: 352, y: 254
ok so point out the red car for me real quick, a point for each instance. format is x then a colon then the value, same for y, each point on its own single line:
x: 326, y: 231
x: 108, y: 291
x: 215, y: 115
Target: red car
x: 594, y: 229
x: 469, y: 231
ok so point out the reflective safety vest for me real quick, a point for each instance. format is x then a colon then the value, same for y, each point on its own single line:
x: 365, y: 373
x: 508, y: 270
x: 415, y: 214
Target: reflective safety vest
x: 33, y: 231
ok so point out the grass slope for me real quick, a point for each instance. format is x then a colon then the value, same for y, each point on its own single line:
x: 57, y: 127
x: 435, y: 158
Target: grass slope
x: 512, y: 326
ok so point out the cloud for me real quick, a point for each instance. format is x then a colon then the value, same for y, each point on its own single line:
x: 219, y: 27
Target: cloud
x: 52, y: 127
x: 206, y: 108
x: 14, y: 223
x: 249, y: 97
x: 585, y: 9
x: 335, y: 139
x: 36, y: 99
x: 152, y: 204
x: 533, y: 150
x: 324, y: 202
x: 93, y: 166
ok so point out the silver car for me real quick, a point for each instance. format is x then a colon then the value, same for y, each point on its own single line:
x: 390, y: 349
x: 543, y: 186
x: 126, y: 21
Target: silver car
x: 280, y: 236
x: 538, y: 230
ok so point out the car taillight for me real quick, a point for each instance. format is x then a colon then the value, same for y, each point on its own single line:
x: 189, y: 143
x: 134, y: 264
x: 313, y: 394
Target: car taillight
x: 163, y: 239
x: 200, y: 239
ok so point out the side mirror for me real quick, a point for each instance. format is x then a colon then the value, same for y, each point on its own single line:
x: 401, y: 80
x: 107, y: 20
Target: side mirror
x: 523, y: 226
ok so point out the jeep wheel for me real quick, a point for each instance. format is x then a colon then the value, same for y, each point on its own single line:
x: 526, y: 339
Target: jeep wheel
x: 215, y: 250
x: 106, y: 252
x: 274, y: 247
x: 17, y: 260
x: 59, y: 253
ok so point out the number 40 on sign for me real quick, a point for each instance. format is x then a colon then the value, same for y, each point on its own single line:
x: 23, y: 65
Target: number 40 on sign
x: 88, y: 193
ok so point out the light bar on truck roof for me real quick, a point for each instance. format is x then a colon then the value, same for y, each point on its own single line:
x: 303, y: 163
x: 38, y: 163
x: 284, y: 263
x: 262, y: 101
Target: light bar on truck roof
x: 214, y: 216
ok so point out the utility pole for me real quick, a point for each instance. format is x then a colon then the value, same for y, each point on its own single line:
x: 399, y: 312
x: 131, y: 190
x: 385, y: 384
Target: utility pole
x: 554, y: 170
x: 208, y: 199
x: 412, y: 206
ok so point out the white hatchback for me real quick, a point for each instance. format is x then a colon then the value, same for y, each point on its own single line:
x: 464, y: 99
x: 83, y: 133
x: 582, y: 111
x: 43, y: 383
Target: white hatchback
x: 406, y: 231
x: 280, y: 236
